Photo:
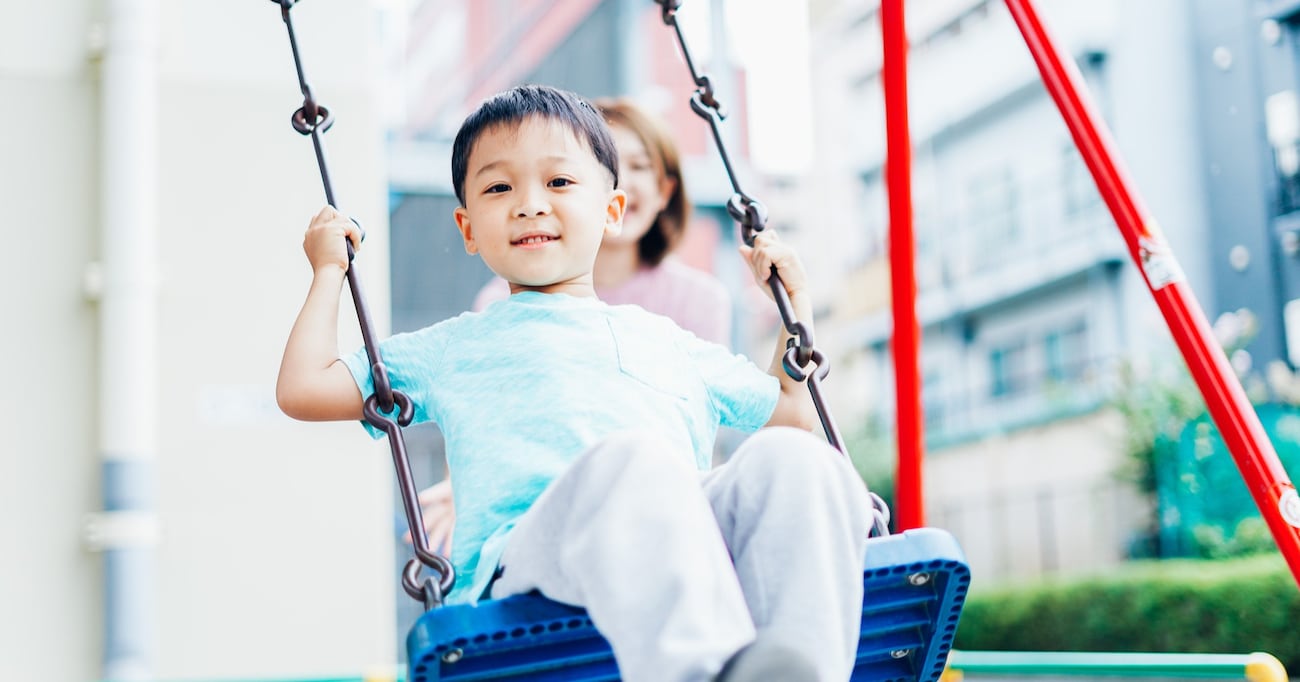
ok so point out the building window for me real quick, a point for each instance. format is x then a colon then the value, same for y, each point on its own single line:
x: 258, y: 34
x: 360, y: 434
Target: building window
x: 1066, y: 352
x: 872, y: 210
x: 1280, y: 123
x: 994, y: 210
x: 933, y: 399
x: 929, y: 256
x: 1080, y: 198
x: 1009, y: 368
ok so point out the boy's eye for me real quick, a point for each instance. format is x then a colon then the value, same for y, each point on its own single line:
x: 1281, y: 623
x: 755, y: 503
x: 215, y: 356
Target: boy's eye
x: 497, y: 188
x: 560, y: 182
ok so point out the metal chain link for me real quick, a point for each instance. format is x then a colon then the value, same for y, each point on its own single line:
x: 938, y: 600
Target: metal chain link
x: 752, y: 217
x: 314, y: 119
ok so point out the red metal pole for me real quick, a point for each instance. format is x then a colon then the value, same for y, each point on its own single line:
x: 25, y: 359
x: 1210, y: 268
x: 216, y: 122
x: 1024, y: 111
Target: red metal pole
x: 909, y: 502
x: 1227, y: 403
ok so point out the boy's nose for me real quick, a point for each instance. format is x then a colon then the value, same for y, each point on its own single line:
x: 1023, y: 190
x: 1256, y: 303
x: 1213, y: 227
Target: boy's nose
x: 532, y: 204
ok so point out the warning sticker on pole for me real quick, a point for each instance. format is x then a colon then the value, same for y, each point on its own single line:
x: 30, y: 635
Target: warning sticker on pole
x: 1289, y: 505
x: 1158, y: 262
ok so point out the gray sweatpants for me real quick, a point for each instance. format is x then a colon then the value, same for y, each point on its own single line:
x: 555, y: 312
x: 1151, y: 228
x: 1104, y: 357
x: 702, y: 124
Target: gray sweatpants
x: 679, y: 569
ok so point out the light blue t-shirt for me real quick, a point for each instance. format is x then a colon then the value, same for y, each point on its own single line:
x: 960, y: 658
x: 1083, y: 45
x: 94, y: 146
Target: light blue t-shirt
x: 523, y: 388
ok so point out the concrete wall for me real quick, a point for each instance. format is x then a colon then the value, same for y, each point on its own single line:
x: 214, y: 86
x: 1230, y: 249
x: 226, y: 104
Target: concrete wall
x: 1041, y: 500
x: 275, y: 556
x: 48, y: 470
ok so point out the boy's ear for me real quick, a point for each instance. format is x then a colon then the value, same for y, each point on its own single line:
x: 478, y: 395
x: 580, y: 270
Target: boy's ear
x: 614, y: 212
x: 466, y: 233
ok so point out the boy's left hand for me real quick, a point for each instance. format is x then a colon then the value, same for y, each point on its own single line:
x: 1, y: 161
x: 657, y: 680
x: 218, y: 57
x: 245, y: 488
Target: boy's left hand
x: 768, y: 251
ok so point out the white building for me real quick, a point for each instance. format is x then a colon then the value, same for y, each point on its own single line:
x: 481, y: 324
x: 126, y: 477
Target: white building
x: 1028, y: 300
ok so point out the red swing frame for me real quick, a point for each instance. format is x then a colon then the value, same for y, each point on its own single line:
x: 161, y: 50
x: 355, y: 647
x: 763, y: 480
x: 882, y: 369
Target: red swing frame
x: 1228, y: 405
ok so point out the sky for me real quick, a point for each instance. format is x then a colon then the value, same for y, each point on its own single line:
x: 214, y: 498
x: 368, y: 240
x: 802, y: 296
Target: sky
x: 769, y: 38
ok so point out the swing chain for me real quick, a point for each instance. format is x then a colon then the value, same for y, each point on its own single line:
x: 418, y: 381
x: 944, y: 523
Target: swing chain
x: 704, y: 98
x: 752, y: 217
x: 750, y: 213
x: 311, y: 116
x: 386, y: 409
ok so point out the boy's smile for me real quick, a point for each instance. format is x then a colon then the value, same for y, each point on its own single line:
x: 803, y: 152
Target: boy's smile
x: 537, y: 205
x: 534, y: 241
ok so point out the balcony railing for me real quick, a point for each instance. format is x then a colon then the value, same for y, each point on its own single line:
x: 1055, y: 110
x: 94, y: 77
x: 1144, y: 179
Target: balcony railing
x: 955, y: 413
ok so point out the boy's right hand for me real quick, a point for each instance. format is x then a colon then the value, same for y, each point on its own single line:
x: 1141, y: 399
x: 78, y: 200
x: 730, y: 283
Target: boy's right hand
x: 439, y: 515
x: 324, y: 242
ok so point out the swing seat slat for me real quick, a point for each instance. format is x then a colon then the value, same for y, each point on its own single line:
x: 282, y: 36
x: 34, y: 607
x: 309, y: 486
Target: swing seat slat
x: 915, y: 584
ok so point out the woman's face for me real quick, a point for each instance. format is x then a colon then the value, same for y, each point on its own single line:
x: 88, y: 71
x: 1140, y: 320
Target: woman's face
x: 641, y: 176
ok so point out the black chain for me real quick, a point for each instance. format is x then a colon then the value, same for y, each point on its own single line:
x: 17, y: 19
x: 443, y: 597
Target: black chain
x: 313, y: 119
x: 752, y: 216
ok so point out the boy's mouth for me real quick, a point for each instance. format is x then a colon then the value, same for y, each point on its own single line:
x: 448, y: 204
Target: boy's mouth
x: 534, y: 240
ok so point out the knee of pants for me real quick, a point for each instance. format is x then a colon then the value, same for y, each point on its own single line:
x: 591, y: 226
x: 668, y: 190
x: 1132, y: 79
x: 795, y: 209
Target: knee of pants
x: 780, y: 450
x: 641, y: 455
x: 798, y: 458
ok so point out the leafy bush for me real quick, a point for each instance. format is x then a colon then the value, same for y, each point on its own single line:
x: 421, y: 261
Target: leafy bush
x: 1251, y: 536
x: 1180, y: 606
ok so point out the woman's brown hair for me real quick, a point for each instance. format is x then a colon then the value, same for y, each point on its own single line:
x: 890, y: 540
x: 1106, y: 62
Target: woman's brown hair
x: 666, y: 232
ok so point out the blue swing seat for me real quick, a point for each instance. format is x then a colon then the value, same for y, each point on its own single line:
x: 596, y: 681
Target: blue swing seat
x: 915, y: 584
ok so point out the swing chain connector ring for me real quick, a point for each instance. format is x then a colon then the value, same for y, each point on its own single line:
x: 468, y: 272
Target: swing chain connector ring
x: 311, y: 116
x: 750, y: 213
x: 799, y: 351
x: 705, y: 102
x: 430, y: 592
x: 320, y: 118
x: 384, y: 398
x: 378, y: 417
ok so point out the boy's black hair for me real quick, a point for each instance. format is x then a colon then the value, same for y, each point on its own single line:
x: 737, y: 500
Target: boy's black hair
x: 521, y: 102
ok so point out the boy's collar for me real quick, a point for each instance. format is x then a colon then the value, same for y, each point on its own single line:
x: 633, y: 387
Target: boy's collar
x: 531, y: 295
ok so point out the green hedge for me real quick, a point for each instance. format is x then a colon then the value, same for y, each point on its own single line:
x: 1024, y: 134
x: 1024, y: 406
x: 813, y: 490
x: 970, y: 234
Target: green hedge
x: 1176, y: 606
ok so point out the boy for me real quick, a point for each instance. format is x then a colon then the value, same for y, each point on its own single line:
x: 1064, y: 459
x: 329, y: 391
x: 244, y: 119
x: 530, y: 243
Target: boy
x: 578, y: 434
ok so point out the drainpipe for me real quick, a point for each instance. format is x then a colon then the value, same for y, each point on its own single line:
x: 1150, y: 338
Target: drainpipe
x: 126, y: 531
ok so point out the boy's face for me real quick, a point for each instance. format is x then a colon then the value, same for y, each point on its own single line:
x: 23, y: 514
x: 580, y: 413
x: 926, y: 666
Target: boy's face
x: 537, y: 204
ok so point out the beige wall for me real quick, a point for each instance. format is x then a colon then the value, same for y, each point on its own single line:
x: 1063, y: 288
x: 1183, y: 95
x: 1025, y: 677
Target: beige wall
x: 1041, y: 499
x: 276, y: 557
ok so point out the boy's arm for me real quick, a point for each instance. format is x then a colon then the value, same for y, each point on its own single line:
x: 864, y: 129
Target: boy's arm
x: 314, y: 384
x: 794, y: 407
